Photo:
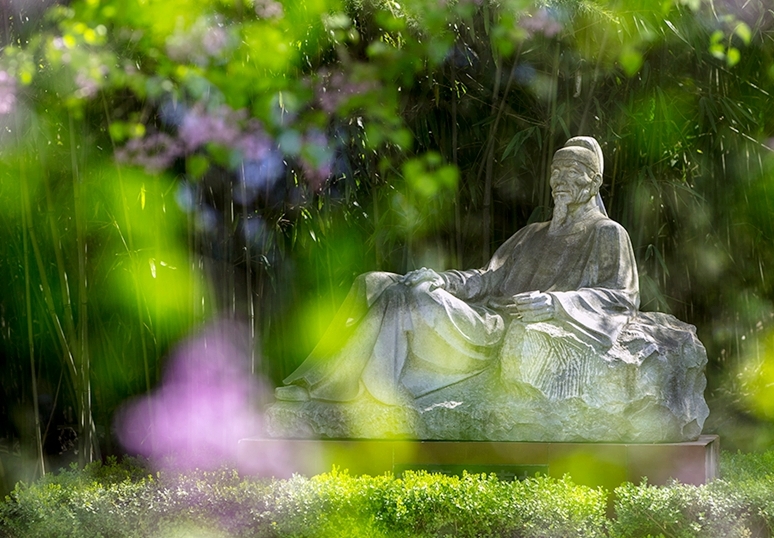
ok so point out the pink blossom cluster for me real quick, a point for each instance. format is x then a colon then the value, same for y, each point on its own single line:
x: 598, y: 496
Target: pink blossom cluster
x: 218, y: 126
x: 318, y: 162
x: 268, y: 9
x: 206, y: 403
x: 543, y: 21
x: 208, y: 39
x: 755, y: 14
x: 225, y: 127
x: 335, y: 89
x: 7, y: 93
x: 154, y: 152
x: 88, y: 81
x: 256, y: 157
x: 197, y: 128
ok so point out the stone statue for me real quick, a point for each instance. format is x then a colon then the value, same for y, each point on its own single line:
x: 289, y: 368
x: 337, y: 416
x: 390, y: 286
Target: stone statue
x: 545, y: 343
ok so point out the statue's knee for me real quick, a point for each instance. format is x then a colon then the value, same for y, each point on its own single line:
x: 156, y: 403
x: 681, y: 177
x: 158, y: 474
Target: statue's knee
x: 376, y: 279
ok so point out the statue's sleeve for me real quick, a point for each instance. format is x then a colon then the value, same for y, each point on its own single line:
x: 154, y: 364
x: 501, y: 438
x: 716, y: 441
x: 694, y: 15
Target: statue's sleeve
x: 609, y: 294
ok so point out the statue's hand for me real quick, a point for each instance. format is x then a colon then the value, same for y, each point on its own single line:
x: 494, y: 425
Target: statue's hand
x: 415, y: 278
x: 534, y: 306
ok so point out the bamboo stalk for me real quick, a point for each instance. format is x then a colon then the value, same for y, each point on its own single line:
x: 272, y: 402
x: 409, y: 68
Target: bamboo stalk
x: 26, y: 223
x: 86, y: 449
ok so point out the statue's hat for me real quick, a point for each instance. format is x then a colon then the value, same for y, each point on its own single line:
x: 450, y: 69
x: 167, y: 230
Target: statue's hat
x: 586, y: 150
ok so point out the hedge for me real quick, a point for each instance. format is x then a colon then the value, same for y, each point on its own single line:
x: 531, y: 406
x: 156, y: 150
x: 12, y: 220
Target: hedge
x: 127, y: 500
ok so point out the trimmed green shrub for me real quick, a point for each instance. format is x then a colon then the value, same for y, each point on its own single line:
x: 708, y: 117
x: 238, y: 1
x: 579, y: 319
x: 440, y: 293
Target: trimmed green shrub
x: 125, y: 501
x: 678, y: 511
x: 740, y: 504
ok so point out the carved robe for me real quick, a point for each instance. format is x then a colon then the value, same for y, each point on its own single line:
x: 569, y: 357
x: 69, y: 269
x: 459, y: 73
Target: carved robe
x: 398, y: 342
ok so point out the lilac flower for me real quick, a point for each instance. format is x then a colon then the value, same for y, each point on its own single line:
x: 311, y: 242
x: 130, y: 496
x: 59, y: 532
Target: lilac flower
x: 335, y: 89
x: 258, y: 176
x: 220, y: 126
x: 202, y: 408
x: 154, y: 152
x: 88, y: 80
x: 317, y: 159
x: 254, y: 144
x: 87, y: 86
x: 755, y: 14
x: 208, y: 39
x: 268, y: 9
x: 196, y: 128
x: 7, y: 93
x: 214, y: 41
x: 543, y: 21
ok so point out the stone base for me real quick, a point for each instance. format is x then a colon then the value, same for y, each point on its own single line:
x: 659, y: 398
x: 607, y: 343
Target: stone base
x: 591, y: 464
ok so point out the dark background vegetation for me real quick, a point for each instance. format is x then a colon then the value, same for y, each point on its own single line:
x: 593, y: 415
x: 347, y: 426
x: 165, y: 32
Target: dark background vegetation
x: 390, y: 136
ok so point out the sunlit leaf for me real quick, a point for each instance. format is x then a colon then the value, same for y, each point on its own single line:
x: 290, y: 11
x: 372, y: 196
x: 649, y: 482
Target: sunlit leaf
x: 733, y: 56
x: 744, y: 32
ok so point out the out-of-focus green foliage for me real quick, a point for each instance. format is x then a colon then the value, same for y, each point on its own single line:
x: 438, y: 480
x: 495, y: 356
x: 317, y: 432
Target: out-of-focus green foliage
x: 162, y: 162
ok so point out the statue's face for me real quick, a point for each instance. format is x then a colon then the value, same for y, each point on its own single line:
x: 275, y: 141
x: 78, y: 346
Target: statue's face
x: 571, y: 183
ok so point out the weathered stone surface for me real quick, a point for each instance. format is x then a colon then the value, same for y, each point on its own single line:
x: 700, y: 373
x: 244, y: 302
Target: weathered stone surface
x: 648, y: 388
x: 364, y: 418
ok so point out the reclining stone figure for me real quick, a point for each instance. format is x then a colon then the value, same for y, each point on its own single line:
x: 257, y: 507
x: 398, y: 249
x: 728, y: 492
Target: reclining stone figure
x: 544, y: 343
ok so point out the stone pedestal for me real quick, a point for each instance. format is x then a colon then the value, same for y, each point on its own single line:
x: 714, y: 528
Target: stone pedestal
x: 592, y: 464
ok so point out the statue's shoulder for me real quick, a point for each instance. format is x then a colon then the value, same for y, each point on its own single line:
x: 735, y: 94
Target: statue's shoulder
x: 606, y: 224
x: 528, y: 231
x: 609, y: 232
x: 535, y: 227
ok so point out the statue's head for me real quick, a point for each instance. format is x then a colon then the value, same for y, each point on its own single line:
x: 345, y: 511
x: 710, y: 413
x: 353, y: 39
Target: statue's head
x: 576, y: 171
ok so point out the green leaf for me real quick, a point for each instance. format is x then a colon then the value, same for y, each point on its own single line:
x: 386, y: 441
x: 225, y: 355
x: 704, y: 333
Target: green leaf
x: 118, y: 131
x: 718, y: 51
x: 197, y: 166
x: 744, y: 32
x: 631, y: 61
x: 733, y: 56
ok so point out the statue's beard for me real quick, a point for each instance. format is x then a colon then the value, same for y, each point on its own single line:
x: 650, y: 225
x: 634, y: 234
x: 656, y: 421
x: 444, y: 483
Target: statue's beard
x: 560, y: 212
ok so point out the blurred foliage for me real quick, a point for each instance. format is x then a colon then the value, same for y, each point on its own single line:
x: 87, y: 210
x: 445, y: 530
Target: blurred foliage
x: 163, y: 162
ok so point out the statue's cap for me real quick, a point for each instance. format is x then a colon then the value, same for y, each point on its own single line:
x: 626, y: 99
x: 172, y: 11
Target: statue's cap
x: 583, y: 149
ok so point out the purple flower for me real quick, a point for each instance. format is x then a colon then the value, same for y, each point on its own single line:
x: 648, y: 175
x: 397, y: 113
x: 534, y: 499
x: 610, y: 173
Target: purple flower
x: 335, y: 89
x: 7, y: 93
x: 203, y: 407
x: 317, y: 158
x: 258, y: 176
x: 208, y: 39
x: 220, y: 126
x: 268, y: 9
x: 154, y: 152
x: 254, y: 144
x: 543, y: 21
x: 214, y: 40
